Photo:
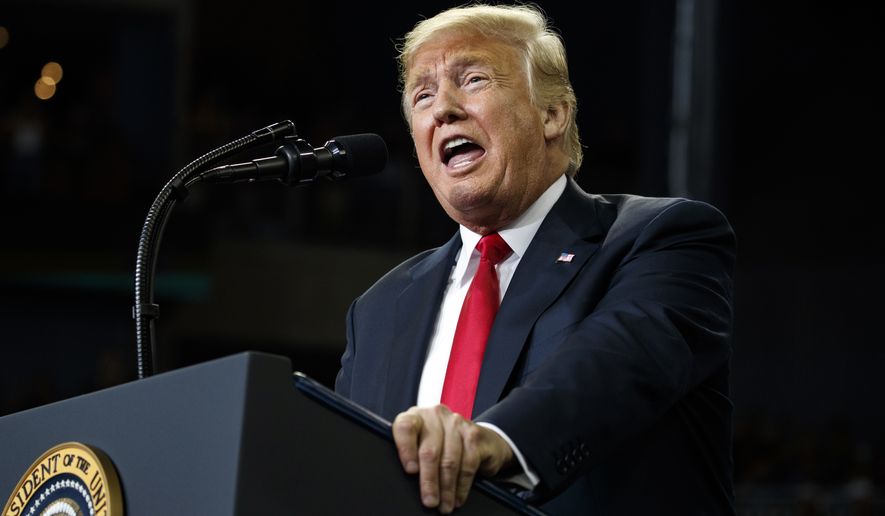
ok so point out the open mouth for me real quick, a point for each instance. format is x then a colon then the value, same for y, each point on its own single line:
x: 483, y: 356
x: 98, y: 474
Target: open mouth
x: 459, y: 152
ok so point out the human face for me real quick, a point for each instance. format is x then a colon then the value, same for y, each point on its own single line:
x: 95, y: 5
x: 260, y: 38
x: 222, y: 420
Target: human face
x: 483, y: 145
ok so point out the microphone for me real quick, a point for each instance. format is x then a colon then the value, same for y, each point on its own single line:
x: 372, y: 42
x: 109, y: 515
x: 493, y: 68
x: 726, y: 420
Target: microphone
x: 297, y: 163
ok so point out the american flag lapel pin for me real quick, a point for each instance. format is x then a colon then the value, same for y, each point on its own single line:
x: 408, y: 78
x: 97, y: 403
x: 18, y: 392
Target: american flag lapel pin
x: 565, y: 258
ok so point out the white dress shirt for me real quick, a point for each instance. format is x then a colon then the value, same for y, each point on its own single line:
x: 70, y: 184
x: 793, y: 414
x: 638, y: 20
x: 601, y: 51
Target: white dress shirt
x: 518, y: 236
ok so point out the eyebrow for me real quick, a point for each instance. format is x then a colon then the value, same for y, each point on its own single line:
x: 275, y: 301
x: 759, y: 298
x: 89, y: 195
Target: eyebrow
x: 458, y: 62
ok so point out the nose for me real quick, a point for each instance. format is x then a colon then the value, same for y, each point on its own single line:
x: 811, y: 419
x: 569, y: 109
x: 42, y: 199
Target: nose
x: 447, y: 106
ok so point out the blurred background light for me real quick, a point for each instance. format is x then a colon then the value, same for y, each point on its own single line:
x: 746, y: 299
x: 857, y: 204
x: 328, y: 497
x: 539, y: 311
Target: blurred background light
x: 44, y: 88
x: 53, y: 71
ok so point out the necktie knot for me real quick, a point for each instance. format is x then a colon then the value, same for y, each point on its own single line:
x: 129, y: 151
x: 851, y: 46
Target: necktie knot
x: 493, y: 248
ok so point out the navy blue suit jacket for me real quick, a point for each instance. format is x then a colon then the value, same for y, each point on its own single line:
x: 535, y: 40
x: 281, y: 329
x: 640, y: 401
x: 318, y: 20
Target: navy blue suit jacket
x: 609, y: 372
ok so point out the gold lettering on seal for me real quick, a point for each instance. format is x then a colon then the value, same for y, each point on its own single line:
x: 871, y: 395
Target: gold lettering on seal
x: 89, y: 465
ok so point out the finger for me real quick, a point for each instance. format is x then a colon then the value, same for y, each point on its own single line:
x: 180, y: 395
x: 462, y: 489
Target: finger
x: 472, y: 457
x: 406, y: 431
x: 450, y: 463
x: 430, y: 445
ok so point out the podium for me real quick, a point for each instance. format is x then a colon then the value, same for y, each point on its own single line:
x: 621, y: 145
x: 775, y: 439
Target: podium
x: 240, y: 435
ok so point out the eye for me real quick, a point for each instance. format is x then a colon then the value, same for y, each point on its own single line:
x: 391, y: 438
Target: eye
x: 424, y: 95
x: 475, y: 81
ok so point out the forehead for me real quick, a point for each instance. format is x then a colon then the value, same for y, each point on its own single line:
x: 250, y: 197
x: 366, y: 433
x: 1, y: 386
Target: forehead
x: 453, y: 50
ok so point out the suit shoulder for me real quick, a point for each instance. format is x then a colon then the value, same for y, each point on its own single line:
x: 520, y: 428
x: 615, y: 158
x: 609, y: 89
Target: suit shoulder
x: 638, y: 206
x: 626, y: 212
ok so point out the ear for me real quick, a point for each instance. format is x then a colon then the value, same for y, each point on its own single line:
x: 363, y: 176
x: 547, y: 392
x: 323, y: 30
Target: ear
x: 556, y: 120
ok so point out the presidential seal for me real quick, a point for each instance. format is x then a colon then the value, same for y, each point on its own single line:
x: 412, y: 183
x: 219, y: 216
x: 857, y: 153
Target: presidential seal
x: 71, y: 479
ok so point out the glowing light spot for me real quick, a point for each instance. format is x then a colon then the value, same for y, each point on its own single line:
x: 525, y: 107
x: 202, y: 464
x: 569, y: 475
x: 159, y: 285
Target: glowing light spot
x: 4, y: 36
x: 44, y: 89
x: 53, y: 71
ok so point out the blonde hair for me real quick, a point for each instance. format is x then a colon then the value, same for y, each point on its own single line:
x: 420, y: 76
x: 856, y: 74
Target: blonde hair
x: 526, y: 28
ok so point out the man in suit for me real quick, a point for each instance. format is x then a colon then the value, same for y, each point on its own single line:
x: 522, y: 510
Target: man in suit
x: 600, y: 385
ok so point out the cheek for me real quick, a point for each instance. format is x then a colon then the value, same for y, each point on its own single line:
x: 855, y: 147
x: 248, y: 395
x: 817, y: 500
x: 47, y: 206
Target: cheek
x: 423, y: 140
x: 423, y: 122
x: 512, y: 120
x: 526, y: 132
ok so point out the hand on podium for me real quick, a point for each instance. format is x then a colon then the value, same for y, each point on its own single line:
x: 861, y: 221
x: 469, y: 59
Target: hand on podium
x: 447, y: 451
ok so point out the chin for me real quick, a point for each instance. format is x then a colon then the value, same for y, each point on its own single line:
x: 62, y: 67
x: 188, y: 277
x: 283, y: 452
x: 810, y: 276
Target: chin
x: 466, y: 199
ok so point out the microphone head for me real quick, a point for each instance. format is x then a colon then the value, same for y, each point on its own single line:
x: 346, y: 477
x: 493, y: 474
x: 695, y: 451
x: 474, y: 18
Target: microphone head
x: 364, y: 154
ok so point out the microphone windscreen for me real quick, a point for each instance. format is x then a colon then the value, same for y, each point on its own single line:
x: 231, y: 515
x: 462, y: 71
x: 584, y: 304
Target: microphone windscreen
x: 366, y: 153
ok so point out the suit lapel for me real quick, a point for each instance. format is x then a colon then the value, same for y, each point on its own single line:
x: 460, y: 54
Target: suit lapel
x: 417, y: 308
x: 570, y: 227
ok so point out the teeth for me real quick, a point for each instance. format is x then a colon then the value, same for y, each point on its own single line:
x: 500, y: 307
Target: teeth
x: 457, y: 141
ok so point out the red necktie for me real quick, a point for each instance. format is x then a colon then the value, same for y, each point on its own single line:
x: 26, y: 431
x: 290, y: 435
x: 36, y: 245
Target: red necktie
x: 474, y: 325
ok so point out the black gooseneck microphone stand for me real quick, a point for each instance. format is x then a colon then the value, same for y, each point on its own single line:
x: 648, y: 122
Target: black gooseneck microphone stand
x: 145, y: 311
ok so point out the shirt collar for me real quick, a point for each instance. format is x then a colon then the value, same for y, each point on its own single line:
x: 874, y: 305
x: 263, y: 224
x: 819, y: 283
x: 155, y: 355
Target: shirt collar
x: 519, y: 233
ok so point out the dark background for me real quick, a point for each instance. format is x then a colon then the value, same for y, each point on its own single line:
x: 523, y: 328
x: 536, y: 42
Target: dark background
x: 784, y: 133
